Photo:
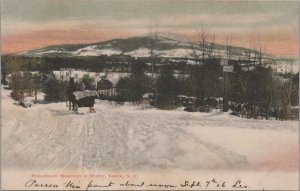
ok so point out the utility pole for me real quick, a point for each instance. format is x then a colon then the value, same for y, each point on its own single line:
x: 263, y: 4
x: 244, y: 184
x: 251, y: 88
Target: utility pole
x: 226, y: 69
x: 225, y: 94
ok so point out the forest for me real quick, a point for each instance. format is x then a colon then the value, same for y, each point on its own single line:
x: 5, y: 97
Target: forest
x: 199, y: 87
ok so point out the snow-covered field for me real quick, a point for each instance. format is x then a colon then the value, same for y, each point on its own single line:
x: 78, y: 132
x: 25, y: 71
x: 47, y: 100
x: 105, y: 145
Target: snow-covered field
x: 127, y: 137
x: 114, y: 77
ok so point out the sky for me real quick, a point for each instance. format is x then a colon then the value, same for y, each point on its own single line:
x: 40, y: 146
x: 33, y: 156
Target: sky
x: 31, y: 24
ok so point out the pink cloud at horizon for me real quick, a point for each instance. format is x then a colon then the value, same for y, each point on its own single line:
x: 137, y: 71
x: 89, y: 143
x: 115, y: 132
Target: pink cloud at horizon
x: 33, y: 40
x: 274, y: 43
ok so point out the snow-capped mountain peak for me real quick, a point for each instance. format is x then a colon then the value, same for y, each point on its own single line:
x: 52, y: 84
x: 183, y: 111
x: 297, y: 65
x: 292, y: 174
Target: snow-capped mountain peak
x: 166, y: 45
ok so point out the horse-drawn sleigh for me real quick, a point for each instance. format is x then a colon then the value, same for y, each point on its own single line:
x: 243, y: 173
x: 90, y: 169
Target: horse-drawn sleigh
x: 78, y: 97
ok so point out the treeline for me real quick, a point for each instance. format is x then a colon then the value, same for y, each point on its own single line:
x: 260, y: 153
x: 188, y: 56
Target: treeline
x: 259, y: 87
x: 87, y: 63
x: 47, y: 64
x: 54, y: 87
x: 197, y: 81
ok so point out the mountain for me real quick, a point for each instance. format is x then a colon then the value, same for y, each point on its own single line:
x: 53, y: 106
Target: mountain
x: 164, y: 44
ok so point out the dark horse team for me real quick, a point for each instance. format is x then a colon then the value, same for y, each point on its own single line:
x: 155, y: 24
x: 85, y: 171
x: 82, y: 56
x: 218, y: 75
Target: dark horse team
x: 79, y: 97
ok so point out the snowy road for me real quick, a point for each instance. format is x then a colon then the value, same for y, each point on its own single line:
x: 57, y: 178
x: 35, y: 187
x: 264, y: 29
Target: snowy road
x: 48, y: 137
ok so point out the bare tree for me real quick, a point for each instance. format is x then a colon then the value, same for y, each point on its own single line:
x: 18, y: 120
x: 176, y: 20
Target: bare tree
x: 203, y: 38
x: 259, y: 57
x: 211, y: 47
x: 194, y: 53
x: 207, y: 44
x: 229, y: 47
x: 153, y: 37
x: 249, y: 54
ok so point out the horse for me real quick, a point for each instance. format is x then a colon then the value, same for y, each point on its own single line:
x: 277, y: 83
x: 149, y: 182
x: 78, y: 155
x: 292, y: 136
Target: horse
x: 72, y: 86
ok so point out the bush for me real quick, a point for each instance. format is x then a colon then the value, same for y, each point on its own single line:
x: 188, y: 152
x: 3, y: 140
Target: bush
x: 131, y: 89
x: 124, y: 90
x: 166, y: 102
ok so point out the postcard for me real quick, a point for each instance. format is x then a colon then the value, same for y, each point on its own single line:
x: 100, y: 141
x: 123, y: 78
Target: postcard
x: 149, y: 95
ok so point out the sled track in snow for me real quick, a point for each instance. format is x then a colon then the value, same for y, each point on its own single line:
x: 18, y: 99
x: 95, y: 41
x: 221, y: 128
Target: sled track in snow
x: 115, y: 138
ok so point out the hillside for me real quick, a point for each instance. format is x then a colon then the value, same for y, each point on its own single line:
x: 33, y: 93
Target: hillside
x: 164, y: 45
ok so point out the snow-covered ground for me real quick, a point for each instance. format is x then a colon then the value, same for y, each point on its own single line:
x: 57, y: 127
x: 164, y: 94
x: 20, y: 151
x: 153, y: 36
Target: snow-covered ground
x: 114, y: 77
x: 127, y: 137
x: 286, y: 66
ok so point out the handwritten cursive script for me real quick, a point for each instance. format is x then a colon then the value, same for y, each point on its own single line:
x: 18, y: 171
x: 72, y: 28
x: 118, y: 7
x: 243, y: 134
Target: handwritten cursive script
x: 34, y: 183
x: 207, y: 184
x: 92, y: 185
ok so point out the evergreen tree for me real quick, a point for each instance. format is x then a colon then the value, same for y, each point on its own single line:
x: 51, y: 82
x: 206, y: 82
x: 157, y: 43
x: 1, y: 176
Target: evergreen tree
x: 206, y: 81
x: 133, y: 87
x: 238, y: 85
x: 260, y: 87
x: 167, y: 84
x: 295, y: 90
x: 55, y: 90
x: 168, y: 87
